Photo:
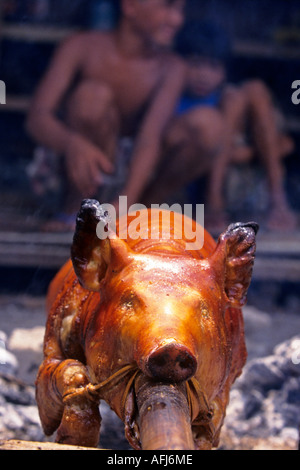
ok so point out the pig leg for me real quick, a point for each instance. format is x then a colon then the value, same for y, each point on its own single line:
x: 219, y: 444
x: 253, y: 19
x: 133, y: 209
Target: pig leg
x: 76, y: 415
x: 207, y: 435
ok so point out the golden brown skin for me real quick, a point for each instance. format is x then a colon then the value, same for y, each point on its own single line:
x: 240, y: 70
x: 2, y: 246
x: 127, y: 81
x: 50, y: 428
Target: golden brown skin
x: 171, y: 314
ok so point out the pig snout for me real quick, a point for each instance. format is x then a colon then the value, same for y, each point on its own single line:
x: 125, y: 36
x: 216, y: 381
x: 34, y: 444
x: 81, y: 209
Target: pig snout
x: 172, y: 362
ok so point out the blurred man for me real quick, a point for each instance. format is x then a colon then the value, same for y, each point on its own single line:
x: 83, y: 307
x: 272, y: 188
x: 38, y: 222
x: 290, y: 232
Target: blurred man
x: 112, y: 84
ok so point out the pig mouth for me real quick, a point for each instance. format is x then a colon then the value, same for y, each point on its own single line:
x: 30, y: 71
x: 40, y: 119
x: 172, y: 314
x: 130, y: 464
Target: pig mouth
x: 150, y: 407
x: 162, y: 415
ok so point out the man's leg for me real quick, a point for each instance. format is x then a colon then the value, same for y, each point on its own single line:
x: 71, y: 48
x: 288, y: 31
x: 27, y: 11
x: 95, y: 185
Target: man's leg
x: 269, y: 144
x: 92, y: 114
x: 190, y: 146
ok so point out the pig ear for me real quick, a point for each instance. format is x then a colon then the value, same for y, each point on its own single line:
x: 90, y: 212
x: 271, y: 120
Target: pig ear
x: 91, y: 255
x: 233, y: 260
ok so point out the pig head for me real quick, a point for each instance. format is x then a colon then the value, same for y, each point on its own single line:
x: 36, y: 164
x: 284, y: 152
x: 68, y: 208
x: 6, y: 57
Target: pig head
x: 123, y: 309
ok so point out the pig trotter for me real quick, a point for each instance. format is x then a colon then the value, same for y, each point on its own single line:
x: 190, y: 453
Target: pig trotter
x: 76, y: 415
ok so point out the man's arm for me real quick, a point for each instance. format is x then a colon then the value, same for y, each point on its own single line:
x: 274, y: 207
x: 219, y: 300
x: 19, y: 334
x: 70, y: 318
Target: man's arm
x: 42, y: 123
x: 148, y: 142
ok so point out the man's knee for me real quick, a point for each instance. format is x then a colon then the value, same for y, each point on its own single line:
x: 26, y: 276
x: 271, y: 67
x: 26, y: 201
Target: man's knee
x: 256, y: 90
x: 177, y: 133
x: 208, y: 126
x: 200, y: 127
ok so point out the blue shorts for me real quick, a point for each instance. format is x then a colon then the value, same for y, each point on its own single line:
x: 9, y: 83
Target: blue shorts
x: 187, y: 103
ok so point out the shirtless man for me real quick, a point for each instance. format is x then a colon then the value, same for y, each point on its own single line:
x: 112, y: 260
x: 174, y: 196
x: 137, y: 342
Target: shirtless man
x: 120, y: 83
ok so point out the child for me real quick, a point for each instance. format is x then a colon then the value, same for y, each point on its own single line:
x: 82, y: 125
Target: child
x: 124, y: 82
x: 208, y: 132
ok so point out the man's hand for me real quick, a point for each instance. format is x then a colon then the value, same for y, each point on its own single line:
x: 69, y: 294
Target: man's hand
x: 85, y: 164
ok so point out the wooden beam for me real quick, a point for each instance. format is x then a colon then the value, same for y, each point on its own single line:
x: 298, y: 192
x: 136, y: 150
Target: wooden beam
x: 14, y: 444
x: 277, y: 256
x: 265, y: 50
x: 30, y: 32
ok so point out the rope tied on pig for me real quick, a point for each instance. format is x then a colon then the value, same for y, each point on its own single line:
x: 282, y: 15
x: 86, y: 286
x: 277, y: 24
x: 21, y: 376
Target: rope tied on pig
x: 94, y: 392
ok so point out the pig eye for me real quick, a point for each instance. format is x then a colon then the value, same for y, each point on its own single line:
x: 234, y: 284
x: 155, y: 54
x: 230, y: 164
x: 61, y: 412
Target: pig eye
x: 203, y: 309
x: 130, y: 301
x: 205, y: 313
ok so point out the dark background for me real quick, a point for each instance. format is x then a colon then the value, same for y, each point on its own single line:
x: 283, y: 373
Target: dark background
x: 265, y: 36
x: 266, y: 43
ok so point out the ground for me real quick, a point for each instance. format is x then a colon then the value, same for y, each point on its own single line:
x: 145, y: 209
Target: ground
x: 23, y: 319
